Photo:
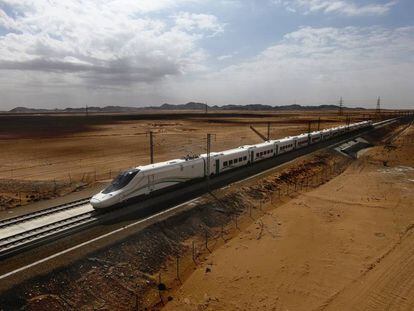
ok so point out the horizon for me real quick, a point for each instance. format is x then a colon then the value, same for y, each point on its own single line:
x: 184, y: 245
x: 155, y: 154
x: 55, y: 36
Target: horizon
x: 230, y: 52
x: 322, y: 106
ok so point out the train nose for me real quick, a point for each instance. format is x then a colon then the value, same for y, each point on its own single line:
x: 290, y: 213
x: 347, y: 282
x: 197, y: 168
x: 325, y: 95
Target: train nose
x: 94, y: 201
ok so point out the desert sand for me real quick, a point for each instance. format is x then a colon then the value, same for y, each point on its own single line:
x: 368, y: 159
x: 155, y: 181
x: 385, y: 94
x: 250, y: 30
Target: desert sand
x: 347, y: 245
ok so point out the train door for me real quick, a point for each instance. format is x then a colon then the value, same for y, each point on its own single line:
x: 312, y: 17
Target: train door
x: 152, y: 182
x: 276, y: 150
x: 251, y: 156
x: 217, y: 166
x: 150, y: 185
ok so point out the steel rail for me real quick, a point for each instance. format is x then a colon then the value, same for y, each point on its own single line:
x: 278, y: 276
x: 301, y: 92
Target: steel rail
x: 45, y: 212
x: 42, y: 231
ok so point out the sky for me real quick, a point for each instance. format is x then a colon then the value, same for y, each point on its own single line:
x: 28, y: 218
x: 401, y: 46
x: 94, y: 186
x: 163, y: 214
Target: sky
x: 72, y: 53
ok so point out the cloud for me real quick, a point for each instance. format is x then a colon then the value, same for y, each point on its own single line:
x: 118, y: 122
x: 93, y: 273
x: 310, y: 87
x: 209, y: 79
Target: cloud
x: 102, y: 42
x: 317, y: 65
x: 127, y: 52
x: 335, y: 6
x: 190, y: 21
x: 227, y: 56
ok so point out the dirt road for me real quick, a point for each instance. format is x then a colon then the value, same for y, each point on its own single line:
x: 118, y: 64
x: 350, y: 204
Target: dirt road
x: 347, y: 245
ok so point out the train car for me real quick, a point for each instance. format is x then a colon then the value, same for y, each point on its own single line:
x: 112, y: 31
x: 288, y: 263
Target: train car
x: 146, y: 179
x: 326, y: 134
x: 335, y: 131
x: 286, y: 144
x: 341, y: 129
x: 228, y: 160
x: 264, y: 151
x: 301, y: 141
x: 315, y: 137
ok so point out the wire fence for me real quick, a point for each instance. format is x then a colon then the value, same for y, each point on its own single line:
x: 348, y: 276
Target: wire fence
x: 20, y: 192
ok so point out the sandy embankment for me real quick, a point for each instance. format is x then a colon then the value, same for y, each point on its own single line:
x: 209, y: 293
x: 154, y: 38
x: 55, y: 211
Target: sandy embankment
x: 347, y: 245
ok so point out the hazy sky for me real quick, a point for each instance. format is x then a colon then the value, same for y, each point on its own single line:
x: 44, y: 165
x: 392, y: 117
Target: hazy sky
x: 60, y: 53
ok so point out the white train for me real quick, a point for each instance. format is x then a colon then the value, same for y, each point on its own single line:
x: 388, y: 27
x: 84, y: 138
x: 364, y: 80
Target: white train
x: 154, y: 178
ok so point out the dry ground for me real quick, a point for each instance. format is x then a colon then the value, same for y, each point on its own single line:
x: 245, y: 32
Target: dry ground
x: 293, y: 247
x: 50, y: 155
x: 347, y: 245
x: 124, y: 271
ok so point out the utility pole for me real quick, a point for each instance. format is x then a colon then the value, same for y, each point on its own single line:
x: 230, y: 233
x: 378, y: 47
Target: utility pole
x: 206, y: 107
x: 208, y: 161
x: 378, y: 110
x: 86, y: 110
x: 268, y: 131
x: 319, y: 123
x: 151, y: 147
x: 341, y: 106
x: 309, y: 131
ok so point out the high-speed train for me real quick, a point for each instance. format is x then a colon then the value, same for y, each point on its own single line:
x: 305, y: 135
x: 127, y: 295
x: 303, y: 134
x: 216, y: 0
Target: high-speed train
x: 149, y: 179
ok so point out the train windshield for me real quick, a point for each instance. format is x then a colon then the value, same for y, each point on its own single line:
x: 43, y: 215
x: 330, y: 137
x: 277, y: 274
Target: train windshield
x: 121, y: 181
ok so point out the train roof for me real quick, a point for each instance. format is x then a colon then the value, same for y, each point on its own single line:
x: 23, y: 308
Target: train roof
x: 285, y: 139
x: 303, y: 135
x: 264, y: 144
x: 233, y: 151
x: 166, y: 163
x: 327, y: 130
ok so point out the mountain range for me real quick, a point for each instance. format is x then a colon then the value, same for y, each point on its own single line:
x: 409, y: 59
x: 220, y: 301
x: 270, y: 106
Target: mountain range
x: 166, y: 106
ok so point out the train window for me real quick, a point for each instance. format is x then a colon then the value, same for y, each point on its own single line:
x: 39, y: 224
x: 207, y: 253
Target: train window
x: 257, y: 154
x: 231, y: 162
x: 235, y: 161
x: 225, y: 163
x: 271, y: 151
x: 244, y: 158
x: 121, y: 181
x: 240, y: 159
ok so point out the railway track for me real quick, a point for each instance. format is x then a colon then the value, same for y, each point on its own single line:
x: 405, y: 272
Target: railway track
x: 31, y: 229
x: 48, y: 211
x: 34, y: 229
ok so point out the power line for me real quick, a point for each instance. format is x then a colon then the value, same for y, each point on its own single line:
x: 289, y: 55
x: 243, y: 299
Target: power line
x: 341, y: 106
